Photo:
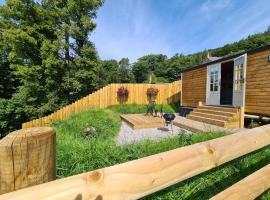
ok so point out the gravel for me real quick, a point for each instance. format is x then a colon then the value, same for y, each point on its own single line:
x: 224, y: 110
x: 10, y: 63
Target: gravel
x: 127, y: 135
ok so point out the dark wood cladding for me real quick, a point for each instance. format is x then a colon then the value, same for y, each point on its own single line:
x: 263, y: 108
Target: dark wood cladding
x: 258, y: 83
x: 194, y: 87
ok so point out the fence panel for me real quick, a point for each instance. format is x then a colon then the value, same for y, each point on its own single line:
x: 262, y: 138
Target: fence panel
x: 107, y: 96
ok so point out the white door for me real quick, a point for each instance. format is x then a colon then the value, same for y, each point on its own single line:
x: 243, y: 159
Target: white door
x: 239, y: 80
x: 213, y: 84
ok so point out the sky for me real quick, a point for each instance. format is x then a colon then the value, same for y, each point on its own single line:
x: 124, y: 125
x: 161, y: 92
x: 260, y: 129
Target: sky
x: 134, y: 28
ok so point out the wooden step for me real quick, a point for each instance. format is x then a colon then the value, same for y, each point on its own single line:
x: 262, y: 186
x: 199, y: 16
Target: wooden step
x: 214, y: 112
x: 216, y: 122
x: 209, y: 115
x: 196, y: 126
x: 220, y: 108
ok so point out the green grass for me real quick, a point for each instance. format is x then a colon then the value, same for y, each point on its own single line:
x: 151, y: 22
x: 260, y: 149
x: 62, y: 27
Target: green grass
x: 77, y: 154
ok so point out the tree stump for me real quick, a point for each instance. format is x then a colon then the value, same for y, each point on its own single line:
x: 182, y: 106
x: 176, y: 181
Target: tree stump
x: 27, y: 158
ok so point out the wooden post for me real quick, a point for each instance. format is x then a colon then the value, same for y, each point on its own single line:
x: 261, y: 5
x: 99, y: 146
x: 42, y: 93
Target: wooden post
x: 27, y: 158
x: 242, y: 117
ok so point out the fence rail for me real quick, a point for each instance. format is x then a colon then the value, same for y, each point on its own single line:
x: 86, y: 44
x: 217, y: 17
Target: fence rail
x: 138, y: 178
x: 107, y: 96
x: 248, y: 188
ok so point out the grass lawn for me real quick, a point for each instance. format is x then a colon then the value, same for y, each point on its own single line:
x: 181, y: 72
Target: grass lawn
x: 77, y: 154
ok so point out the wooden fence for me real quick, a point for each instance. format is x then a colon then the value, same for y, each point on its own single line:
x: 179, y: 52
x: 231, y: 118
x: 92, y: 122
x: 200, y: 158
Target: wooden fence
x: 138, y: 178
x: 107, y: 96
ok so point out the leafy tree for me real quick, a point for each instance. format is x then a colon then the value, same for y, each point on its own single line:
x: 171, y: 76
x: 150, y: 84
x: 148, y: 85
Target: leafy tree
x: 111, y: 71
x: 8, y: 80
x: 45, y: 44
x: 76, y: 50
x: 147, y: 66
x: 28, y: 29
x: 125, y: 73
x: 251, y: 42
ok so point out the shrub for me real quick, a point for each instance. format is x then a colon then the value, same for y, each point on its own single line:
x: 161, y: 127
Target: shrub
x: 12, y: 115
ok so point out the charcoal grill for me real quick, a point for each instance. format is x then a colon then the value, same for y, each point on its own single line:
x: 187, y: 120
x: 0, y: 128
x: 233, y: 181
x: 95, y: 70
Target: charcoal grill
x: 169, y: 117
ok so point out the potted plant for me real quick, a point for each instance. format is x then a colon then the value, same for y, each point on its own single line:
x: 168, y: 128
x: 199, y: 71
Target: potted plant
x: 122, y: 94
x: 152, y: 93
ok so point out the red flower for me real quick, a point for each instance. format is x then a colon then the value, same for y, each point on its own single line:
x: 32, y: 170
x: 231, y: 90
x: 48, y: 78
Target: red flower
x: 152, y: 92
x: 122, y: 92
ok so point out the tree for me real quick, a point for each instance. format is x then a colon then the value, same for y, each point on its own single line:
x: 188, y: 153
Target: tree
x: 45, y: 45
x: 77, y: 51
x: 149, y: 66
x: 28, y: 30
x: 179, y: 62
x: 125, y: 73
x: 251, y: 42
x: 8, y: 80
x: 111, y: 70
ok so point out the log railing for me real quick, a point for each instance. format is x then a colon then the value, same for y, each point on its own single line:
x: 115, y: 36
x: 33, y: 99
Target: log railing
x: 249, y: 188
x: 107, y: 96
x: 138, y: 178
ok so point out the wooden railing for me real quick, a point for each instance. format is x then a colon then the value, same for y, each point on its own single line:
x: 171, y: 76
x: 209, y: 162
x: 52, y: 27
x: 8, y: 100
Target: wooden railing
x: 249, y: 188
x: 107, y: 96
x: 138, y: 178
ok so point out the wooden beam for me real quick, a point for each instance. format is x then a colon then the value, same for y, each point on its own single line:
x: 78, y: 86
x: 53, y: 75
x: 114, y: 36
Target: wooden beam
x: 138, y: 178
x: 249, y: 188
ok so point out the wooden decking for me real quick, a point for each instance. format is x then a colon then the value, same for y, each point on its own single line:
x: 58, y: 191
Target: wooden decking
x: 195, y: 126
x: 137, y: 121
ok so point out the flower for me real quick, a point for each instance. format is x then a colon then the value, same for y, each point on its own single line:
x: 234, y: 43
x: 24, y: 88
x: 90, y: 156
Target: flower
x: 152, y: 92
x: 122, y: 92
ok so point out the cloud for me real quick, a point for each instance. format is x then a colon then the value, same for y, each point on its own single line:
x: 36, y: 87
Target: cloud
x: 133, y: 28
x: 211, y: 7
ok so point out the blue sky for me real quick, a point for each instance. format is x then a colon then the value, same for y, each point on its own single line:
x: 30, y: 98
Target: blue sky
x: 133, y: 28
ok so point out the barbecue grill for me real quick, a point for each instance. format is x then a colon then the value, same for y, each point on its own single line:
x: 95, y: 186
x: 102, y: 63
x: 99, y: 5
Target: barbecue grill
x: 169, y: 117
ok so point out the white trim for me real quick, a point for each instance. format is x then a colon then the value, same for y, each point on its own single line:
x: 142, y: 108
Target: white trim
x: 244, y: 56
x: 245, y: 81
x: 213, y: 98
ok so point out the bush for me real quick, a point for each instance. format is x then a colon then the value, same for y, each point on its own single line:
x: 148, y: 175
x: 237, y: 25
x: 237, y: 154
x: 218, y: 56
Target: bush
x: 12, y: 115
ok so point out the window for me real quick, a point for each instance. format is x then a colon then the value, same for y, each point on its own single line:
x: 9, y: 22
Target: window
x: 214, y: 80
x: 238, y: 77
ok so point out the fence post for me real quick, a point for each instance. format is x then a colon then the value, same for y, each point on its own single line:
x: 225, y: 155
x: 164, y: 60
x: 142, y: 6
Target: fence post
x: 27, y: 158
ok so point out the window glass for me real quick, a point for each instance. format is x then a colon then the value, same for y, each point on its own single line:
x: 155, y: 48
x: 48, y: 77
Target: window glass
x: 238, y: 77
x: 214, y: 79
x: 216, y: 87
